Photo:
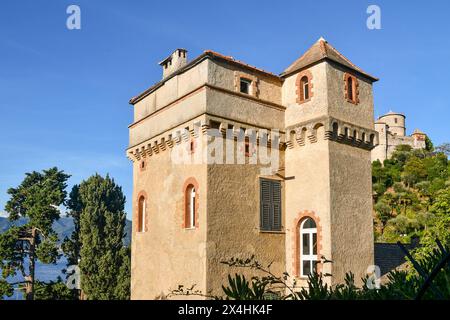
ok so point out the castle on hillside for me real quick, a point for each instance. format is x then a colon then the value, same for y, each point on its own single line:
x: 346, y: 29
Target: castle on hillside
x: 391, y: 129
x: 230, y: 160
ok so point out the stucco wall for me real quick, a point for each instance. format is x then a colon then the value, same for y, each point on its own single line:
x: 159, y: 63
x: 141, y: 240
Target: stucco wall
x: 171, y: 90
x: 176, y: 114
x: 244, y: 110
x: 224, y: 76
x: 167, y: 255
x: 338, y: 106
x: 351, y: 211
x: 317, y: 106
x: 307, y: 190
x: 233, y: 224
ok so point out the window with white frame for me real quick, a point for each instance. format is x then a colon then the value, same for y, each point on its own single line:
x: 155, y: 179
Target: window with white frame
x: 141, y: 214
x: 245, y: 85
x: 190, y: 208
x: 308, y: 247
x: 305, y: 88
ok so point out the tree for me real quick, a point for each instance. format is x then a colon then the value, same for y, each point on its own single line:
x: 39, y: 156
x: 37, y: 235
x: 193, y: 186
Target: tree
x: 54, y: 290
x: 414, y: 171
x: 37, y: 199
x: 444, y: 148
x: 428, y: 144
x: 384, y: 213
x: 97, y: 205
x: 439, y: 227
x: 72, y: 246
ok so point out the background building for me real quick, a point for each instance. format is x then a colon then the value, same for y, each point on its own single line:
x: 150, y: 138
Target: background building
x: 391, y: 129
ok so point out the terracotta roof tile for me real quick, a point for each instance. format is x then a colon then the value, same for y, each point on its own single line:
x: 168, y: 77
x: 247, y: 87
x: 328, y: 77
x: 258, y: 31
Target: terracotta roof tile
x: 319, y: 51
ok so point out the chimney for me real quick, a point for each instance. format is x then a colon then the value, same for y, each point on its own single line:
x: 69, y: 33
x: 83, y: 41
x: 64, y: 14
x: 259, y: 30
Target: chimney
x: 175, y: 61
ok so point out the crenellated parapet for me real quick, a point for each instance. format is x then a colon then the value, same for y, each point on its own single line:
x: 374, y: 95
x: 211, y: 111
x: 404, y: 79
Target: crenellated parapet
x: 213, y: 127
x: 329, y: 128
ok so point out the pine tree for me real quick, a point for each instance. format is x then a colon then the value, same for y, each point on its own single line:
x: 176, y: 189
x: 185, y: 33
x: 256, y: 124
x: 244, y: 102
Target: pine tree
x: 97, y: 206
x: 37, y: 199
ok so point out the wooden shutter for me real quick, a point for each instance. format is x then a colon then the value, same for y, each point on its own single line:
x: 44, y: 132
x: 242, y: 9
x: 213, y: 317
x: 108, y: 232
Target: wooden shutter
x: 276, y: 194
x: 270, y: 203
x: 265, y: 204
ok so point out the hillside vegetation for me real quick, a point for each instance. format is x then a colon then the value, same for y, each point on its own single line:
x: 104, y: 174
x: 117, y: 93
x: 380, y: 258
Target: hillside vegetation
x: 412, y: 195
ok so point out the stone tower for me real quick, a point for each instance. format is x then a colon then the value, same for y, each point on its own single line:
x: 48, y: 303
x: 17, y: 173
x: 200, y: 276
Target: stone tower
x: 391, y: 129
x: 330, y: 134
x: 296, y: 187
x: 395, y: 122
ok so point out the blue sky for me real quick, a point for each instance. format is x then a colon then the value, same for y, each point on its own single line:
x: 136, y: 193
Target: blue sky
x: 64, y: 93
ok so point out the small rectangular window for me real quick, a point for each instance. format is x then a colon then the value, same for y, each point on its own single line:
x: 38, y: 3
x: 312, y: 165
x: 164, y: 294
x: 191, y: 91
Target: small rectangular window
x: 245, y: 85
x: 270, y: 205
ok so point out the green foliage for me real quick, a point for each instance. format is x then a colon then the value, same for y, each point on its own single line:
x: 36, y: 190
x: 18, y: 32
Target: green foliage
x: 406, y: 187
x: 5, y: 289
x: 240, y: 288
x: 54, y: 290
x: 443, y: 148
x: 400, y: 285
x: 38, y: 199
x: 428, y: 144
x: 98, y: 205
x: 71, y: 247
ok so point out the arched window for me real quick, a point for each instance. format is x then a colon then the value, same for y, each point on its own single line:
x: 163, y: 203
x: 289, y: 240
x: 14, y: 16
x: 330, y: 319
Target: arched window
x: 190, y: 210
x: 350, y: 88
x: 308, y: 247
x: 141, y: 214
x: 304, y: 85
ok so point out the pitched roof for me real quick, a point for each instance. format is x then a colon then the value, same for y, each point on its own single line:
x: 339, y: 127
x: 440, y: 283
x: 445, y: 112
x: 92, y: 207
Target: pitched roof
x: 322, y: 50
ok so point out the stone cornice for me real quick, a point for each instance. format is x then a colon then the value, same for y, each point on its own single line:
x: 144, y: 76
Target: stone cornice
x: 195, y: 128
x: 329, y: 128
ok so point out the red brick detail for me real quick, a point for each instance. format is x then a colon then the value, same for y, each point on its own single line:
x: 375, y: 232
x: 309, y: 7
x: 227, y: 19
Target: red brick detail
x: 355, y: 88
x: 237, y: 83
x: 136, y: 215
x: 191, y: 181
x: 296, y: 241
x: 298, y: 84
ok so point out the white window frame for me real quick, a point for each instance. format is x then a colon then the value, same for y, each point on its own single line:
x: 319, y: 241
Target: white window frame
x: 305, y: 91
x: 311, y: 257
x: 249, y: 84
x: 192, y: 209
x: 142, y: 226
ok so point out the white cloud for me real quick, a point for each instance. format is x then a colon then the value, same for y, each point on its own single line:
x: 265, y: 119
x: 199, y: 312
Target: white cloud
x: 3, y: 214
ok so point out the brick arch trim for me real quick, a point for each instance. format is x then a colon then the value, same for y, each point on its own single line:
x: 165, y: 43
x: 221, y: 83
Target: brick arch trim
x: 191, y: 181
x: 296, y: 240
x: 141, y: 194
x: 355, y: 88
x: 299, y: 90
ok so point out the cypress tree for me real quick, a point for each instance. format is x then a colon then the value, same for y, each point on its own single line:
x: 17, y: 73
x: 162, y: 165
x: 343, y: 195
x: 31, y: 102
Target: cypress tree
x: 97, y: 206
